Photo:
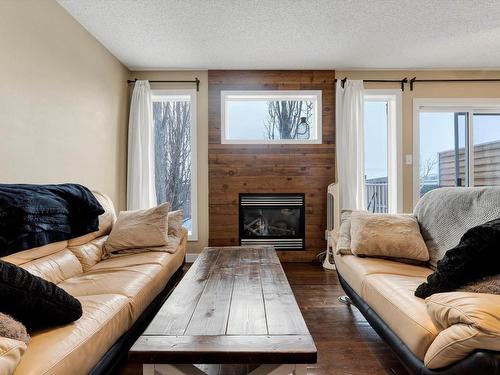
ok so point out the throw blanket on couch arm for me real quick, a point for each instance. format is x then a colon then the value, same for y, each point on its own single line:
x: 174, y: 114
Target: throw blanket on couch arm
x: 476, y: 256
x: 36, y: 215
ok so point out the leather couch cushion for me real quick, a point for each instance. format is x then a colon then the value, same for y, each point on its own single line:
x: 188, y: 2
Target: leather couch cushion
x: 139, y: 277
x: 354, y: 269
x: 140, y: 284
x: 132, y: 260
x: 11, y: 352
x: 89, y: 253
x: 391, y: 297
x: 26, y: 256
x: 56, y: 267
x: 76, y: 348
x: 468, y: 321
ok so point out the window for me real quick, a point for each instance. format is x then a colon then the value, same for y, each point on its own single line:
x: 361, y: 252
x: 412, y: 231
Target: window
x: 271, y: 117
x: 382, y: 150
x: 174, y: 115
x: 457, y: 143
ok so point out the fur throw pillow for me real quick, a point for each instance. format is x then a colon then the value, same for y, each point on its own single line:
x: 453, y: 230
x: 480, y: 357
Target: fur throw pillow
x: 476, y: 256
x: 12, y: 329
x: 488, y: 284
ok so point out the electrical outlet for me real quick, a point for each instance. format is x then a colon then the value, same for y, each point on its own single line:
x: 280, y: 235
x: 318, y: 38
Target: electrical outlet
x: 408, y: 159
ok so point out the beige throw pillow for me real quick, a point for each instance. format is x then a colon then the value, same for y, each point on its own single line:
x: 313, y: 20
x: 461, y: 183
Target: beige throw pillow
x: 487, y: 284
x: 344, y: 234
x: 139, y: 229
x: 466, y: 322
x: 387, y: 235
x: 175, y: 219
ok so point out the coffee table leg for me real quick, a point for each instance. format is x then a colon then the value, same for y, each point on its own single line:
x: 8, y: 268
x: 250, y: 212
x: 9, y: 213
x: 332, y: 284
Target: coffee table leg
x: 163, y: 369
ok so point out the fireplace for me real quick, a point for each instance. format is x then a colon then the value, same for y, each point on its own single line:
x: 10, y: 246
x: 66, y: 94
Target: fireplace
x: 272, y: 219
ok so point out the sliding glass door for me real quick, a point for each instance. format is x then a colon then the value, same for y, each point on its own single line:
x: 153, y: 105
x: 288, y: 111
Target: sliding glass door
x: 486, y: 149
x: 455, y: 146
x: 443, y: 143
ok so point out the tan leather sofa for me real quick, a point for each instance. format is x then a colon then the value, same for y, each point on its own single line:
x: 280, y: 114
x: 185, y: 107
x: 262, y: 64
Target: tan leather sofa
x: 448, y: 333
x: 439, y: 331
x: 113, y: 292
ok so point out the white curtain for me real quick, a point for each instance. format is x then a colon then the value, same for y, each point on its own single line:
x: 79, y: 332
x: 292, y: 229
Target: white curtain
x: 141, y: 165
x: 350, y: 144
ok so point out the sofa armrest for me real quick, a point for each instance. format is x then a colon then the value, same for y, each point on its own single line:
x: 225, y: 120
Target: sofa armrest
x: 468, y: 321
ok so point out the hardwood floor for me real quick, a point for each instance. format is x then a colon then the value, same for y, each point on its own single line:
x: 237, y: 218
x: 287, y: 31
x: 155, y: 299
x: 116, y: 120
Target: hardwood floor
x: 346, y: 343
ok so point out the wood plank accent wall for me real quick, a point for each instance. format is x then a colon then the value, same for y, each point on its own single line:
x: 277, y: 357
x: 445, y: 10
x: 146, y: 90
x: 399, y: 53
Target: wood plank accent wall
x: 235, y: 169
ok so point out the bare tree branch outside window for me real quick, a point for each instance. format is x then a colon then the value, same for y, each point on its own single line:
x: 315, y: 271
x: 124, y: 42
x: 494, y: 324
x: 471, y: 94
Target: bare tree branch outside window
x: 426, y: 172
x: 283, y: 119
x: 173, y: 154
x: 427, y: 167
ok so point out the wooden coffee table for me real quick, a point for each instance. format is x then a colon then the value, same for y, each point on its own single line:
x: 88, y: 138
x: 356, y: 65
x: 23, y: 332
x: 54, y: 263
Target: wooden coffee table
x: 234, y: 305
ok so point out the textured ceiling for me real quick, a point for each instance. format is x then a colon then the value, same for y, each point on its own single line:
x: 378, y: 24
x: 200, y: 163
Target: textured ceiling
x: 295, y: 34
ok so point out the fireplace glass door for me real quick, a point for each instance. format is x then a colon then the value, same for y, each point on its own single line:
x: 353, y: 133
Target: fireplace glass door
x: 272, y: 219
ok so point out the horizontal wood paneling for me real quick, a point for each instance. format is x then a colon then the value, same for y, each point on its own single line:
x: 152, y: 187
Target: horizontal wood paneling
x: 486, y: 165
x: 235, y: 169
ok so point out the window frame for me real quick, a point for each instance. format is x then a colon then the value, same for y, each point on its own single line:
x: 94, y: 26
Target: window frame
x: 191, y: 93
x: 271, y: 95
x: 393, y: 97
x: 465, y: 105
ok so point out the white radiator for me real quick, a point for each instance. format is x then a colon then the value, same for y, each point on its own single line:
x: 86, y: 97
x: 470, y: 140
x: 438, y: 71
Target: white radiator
x: 333, y: 209
x: 332, y: 221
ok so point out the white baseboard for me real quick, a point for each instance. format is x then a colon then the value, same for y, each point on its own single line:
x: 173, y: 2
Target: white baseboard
x: 191, y: 257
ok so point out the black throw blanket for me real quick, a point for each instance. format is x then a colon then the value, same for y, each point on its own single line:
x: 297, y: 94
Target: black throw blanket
x: 476, y: 256
x: 35, y: 215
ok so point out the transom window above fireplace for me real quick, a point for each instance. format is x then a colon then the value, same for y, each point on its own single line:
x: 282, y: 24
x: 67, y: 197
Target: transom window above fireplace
x: 271, y: 116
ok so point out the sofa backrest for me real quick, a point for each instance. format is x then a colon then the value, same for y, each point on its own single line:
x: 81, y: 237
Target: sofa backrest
x: 445, y: 214
x: 59, y: 261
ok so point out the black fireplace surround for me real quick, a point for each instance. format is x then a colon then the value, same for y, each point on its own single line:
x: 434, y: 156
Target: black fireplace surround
x: 276, y: 219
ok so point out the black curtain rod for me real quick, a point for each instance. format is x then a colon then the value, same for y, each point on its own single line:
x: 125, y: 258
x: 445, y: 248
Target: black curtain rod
x: 414, y: 79
x: 195, y: 81
x: 400, y: 81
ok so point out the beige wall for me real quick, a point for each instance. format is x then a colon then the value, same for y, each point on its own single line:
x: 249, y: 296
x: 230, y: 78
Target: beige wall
x: 202, y: 140
x: 426, y: 90
x: 63, y: 101
x: 64, y: 105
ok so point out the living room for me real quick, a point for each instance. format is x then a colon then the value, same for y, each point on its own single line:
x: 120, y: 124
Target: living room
x: 261, y: 187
